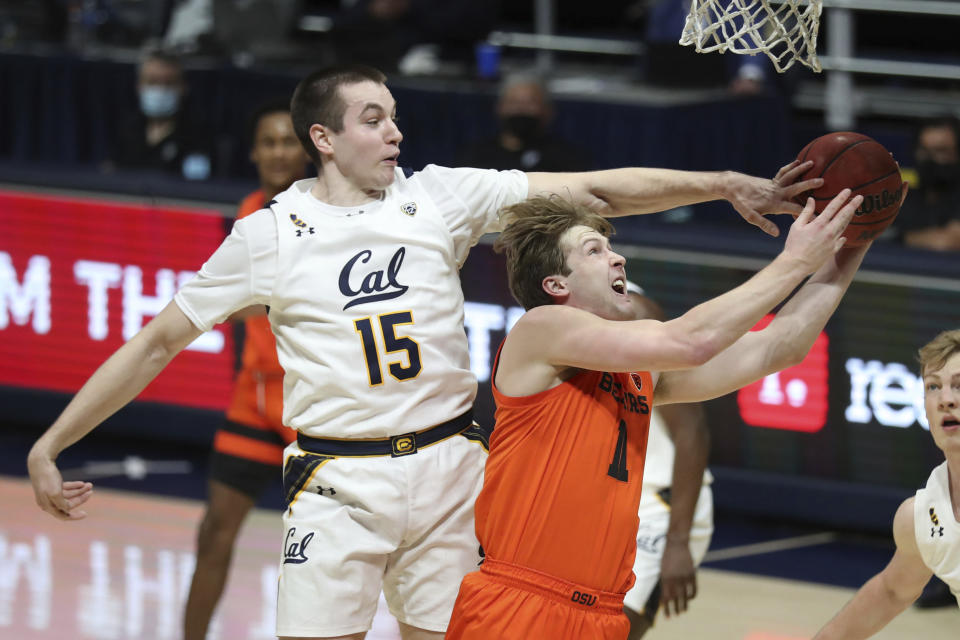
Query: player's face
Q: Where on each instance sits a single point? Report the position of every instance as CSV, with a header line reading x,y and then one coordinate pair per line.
x,y
276,152
365,151
597,281
941,397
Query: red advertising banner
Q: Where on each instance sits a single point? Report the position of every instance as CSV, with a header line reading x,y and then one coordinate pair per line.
x,y
794,399
79,277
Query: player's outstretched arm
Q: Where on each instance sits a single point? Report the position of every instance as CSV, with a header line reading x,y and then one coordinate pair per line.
x,y
620,192
559,336
114,384
787,339
889,592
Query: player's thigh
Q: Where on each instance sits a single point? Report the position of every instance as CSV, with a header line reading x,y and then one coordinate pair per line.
x,y
423,577
415,633
344,517
227,507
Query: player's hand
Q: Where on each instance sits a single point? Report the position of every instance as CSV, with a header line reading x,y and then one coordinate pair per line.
x,y
678,578
58,498
813,239
754,197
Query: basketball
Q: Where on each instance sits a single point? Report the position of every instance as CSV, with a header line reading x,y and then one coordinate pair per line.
x,y
852,160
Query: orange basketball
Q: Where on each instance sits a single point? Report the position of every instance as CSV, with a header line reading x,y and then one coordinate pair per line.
x,y
848,160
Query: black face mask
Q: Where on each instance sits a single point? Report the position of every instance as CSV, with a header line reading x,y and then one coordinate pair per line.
x,y
939,177
527,128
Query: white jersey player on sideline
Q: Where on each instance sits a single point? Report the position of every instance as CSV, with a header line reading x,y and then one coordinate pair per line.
x,y
926,527
359,268
676,504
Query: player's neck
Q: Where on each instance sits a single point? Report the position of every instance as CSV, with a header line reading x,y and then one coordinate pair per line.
x,y
332,188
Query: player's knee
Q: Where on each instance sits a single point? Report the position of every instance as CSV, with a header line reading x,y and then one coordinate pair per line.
x,y
639,623
216,533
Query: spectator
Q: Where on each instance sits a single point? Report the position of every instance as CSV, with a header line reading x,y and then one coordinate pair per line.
x,y
930,216
668,63
160,136
383,32
524,111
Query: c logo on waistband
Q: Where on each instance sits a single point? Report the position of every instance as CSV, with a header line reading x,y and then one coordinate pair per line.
x,y
403,445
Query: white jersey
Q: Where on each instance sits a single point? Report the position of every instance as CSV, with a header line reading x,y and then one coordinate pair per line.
x,y
658,467
365,301
937,530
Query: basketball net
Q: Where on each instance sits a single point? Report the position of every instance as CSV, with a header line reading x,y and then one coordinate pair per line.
x,y
787,33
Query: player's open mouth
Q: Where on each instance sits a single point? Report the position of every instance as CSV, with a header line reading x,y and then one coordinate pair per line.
x,y
619,286
950,423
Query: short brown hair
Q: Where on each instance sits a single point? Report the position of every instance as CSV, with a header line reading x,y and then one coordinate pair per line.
x,y
531,242
934,354
317,100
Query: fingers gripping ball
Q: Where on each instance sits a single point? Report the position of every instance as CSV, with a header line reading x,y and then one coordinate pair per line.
x,y
852,160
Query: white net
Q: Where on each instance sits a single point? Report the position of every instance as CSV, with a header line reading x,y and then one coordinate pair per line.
x,y
785,30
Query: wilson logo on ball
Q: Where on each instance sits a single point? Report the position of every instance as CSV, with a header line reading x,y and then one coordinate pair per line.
x,y
880,201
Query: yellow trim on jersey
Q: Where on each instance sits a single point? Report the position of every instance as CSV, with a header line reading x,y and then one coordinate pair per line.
x,y
307,482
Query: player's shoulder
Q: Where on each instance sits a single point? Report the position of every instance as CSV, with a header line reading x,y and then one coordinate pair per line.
x,y
462,176
257,227
903,525
550,321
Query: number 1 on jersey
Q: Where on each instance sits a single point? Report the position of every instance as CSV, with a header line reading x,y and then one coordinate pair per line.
x,y
618,467
392,343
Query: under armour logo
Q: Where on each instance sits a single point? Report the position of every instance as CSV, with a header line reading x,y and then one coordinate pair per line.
x,y
324,490
934,531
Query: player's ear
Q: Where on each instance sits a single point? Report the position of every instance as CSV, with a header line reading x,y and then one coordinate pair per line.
x,y
555,286
319,135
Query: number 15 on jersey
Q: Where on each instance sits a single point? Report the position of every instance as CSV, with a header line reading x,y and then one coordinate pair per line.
x,y
392,343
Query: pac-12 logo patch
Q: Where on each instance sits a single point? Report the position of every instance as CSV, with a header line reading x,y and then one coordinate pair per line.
x,y
409,208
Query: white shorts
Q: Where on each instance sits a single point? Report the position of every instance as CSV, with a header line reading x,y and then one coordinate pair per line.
x,y
356,525
654,520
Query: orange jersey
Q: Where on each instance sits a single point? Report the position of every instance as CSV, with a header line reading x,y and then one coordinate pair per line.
x,y
562,484
258,394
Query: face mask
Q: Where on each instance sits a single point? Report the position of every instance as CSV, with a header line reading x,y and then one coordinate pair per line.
x,y
159,102
938,176
527,128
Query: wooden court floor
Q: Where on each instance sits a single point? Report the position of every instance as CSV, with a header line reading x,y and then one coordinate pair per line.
x,y
124,571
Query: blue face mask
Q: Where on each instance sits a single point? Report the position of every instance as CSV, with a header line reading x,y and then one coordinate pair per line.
x,y
158,101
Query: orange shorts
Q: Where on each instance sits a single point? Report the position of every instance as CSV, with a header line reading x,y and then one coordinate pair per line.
x,y
508,602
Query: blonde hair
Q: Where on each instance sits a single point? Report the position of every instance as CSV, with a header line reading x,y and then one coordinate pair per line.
x,y
531,242
934,354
